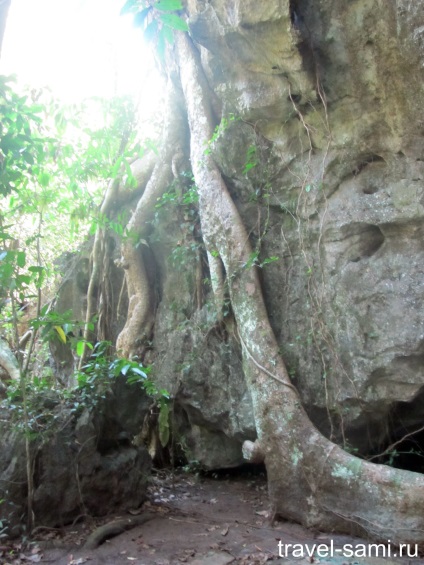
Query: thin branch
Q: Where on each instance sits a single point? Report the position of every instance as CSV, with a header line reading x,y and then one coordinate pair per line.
x,y
393,445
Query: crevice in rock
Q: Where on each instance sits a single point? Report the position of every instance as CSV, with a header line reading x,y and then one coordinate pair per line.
x,y
294,13
356,167
299,18
365,161
244,471
296,98
370,189
404,449
365,241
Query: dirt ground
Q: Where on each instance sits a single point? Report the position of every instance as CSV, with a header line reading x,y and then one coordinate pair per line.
x,y
198,520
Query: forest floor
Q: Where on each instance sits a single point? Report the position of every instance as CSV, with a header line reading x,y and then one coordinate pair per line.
x,y
199,520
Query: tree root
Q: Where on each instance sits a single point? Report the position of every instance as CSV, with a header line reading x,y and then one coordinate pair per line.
x,y
115,528
141,307
252,452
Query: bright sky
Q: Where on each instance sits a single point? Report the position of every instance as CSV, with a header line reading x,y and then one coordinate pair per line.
x,y
79,48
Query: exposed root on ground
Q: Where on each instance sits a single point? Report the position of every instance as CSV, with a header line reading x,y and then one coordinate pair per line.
x,y
115,528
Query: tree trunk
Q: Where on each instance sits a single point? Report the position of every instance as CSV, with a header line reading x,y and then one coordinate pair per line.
x,y
141,309
8,361
311,479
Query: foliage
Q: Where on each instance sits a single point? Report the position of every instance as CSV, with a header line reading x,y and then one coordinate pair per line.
x,y
251,159
180,198
55,163
158,19
55,325
254,260
219,131
94,381
97,375
184,196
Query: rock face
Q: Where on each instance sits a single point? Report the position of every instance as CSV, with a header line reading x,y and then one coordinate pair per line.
x,y
321,144
83,464
325,162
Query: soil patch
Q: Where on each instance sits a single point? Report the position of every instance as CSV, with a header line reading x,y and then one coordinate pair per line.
x,y
198,520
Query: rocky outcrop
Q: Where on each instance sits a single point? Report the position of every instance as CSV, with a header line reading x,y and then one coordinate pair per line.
x,y
326,168
321,146
84,461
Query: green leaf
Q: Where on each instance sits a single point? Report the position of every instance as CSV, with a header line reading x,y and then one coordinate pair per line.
x,y
20,258
253,259
151,31
80,348
174,21
22,279
269,260
36,108
168,35
139,372
249,166
40,272
44,179
6,271
160,46
140,18
168,5
125,369
128,7
133,379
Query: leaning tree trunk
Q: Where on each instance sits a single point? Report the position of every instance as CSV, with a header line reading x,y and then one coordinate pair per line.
x,y
311,479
